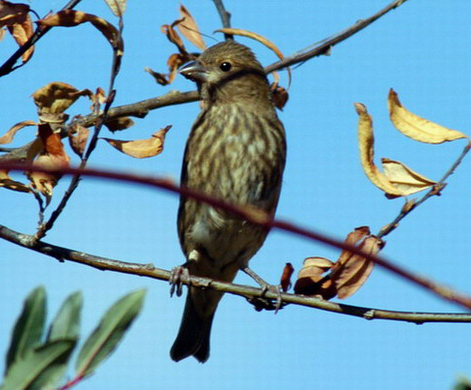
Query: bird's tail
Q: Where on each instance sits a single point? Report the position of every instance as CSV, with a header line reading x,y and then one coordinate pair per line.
x,y
195,328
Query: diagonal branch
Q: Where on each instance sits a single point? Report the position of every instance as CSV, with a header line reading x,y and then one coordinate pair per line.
x,y
225,17
256,217
149,271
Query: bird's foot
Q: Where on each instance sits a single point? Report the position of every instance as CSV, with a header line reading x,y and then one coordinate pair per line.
x,y
177,276
262,302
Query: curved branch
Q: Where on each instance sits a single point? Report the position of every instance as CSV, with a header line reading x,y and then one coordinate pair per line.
x,y
150,271
256,217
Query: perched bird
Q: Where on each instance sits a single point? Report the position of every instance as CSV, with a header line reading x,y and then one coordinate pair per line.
x,y
236,151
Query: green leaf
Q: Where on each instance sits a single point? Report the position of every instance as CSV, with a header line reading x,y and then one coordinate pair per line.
x,y
109,332
29,327
25,371
66,324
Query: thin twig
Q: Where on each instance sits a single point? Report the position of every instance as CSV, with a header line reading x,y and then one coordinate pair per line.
x,y
434,191
325,45
225,17
256,217
116,64
148,270
9,65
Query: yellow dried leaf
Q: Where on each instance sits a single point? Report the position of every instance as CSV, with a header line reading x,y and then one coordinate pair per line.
x,y
404,178
56,97
352,239
366,143
11,13
2,33
72,18
7,182
142,148
259,38
417,128
8,136
118,7
311,279
21,32
189,29
356,270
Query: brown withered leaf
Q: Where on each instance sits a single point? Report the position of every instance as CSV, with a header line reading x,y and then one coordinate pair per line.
x,y
78,136
160,78
311,279
2,33
356,269
259,38
279,96
417,128
16,18
121,123
189,29
142,148
173,36
405,179
51,156
366,144
285,280
7,182
8,136
118,7
56,97
72,18
352,239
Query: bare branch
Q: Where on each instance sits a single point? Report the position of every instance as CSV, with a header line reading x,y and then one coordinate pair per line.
x,y
256,217
148,270
225,17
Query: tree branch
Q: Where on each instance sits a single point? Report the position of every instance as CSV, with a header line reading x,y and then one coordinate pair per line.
x,y
225,17
256,217
149,271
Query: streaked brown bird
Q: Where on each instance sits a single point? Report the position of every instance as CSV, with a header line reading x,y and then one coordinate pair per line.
x,y
236,152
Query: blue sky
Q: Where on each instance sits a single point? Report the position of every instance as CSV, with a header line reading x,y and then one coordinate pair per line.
x,y
421,50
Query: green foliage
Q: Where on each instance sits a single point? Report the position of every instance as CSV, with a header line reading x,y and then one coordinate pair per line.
x,y
36,361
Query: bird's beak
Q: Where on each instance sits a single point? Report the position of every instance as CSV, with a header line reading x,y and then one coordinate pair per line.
x,y
194,71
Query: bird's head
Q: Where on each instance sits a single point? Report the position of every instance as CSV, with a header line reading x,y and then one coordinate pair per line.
x,y
226,72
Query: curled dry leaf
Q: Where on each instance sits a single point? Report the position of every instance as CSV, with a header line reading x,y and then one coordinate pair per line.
x,y
7,182
160,78
285,280
418,128
189,29
279,96
142,148
8,136
52,156
16,18
118,7
78,136
352,239
56,97
311,279
404,178
72,18
259,38
173,36
355,270
121,123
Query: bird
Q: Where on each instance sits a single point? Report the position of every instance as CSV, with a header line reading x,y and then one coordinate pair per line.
x,y
236,151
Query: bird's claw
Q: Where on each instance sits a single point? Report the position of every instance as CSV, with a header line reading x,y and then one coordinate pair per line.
x,y
177,275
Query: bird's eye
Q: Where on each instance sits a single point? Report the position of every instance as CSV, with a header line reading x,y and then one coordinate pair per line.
x,y
225,66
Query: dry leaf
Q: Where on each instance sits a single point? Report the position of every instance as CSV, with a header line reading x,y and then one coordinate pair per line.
x,y
118,7
121,123
404,178
418,128
16,18
356,269
258,38
142,148
285,280
311,279
8,136
56,97
173,36
52,156
160,78
189,29
366,143
78,136
352,239
279,96
72,18
2,33
7,182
